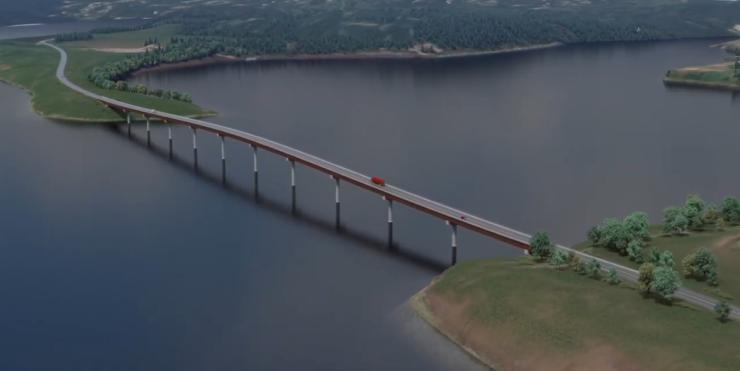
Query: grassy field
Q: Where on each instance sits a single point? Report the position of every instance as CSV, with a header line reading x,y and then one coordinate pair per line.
x,y
721,75
517,315
32,67
723,244
132,39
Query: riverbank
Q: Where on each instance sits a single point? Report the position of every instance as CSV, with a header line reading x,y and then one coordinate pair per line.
x,y
32,67
359,56
719,76
517,315
716,76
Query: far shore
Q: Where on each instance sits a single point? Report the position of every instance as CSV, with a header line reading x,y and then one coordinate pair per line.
x,y
690,83
376,55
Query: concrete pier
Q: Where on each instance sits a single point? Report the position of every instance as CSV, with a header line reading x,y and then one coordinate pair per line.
x,y
390,221
454,243
148,132
195,146
337,203
256,170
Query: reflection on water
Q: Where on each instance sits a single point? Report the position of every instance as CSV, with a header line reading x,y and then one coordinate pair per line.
x,y
116,256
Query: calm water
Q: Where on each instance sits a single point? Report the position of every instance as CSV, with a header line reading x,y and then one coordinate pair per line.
x,y
116,258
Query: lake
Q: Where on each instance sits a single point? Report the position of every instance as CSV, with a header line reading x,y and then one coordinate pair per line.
x,y
116,257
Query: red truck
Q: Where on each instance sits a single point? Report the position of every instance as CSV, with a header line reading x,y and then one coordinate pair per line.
x,y
378,180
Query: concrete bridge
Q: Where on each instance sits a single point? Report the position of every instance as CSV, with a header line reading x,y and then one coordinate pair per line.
x,y
453,217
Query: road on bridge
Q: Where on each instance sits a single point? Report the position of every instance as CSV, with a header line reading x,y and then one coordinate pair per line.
x,y
449,214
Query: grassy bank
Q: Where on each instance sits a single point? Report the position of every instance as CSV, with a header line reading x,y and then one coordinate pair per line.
x,y
516,315
716,76
32,67
723,244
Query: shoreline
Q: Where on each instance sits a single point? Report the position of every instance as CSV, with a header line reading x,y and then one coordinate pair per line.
x,y
708,85
359,56
421,308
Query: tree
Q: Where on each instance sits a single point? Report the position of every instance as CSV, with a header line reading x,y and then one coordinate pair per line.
x,y
612,278
121,85
722,308
646,277
665,259
693,210
594,235
540,246
637,225
731,210
635,251
674,220
615,235
559,258
700,265
665,282
593,269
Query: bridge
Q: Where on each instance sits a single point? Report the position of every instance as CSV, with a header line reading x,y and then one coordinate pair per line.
x,y
451,216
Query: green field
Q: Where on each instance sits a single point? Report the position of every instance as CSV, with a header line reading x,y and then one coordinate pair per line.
x,y
723,244
33,67
28,65
721,76
519,315
131,39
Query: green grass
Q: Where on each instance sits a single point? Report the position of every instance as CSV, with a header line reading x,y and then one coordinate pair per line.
x,y
32,67
558,315
728,258
720,76
130,39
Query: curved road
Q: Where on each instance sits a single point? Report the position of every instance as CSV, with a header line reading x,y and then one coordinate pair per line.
x,y
449,214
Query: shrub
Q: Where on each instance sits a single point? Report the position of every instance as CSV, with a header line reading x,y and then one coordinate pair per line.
x,y
559,258
646,277
540,246
731,210
635,251
700,265
593,269
612,277
665,282
723,311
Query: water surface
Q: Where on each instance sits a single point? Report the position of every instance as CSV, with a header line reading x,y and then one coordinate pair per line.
x,y
114,257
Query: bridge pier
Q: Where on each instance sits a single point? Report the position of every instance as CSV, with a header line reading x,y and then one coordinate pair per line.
x,y
148,132
390,221
169,137
128,122
292,184
195,147
223,157
337,205
256,170
454,243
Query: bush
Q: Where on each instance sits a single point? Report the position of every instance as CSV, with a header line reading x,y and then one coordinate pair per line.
x,y
578,266
635,251
559,258
674,221
593,269
540,246
612,277
731,210
665,282
723,311
700,265
645,279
